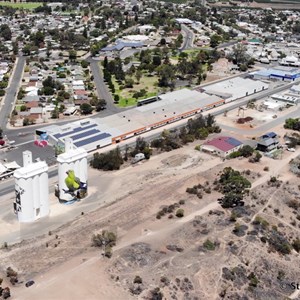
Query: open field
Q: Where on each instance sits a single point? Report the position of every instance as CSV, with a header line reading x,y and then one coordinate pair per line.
x,y
169,253
27,5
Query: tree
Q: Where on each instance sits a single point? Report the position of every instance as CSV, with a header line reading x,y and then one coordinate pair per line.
x,y
233,185
215,40
55,113
107,161
99,104
5,32
72,54
23,108
86,108
293,124
15,48
138,75
84,64
26,50
166,75
246,151
239,55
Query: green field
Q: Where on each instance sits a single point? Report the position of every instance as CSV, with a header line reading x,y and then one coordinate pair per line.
x,y
147,83
27,5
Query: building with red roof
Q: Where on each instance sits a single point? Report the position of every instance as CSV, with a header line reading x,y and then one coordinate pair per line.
x,y
222,146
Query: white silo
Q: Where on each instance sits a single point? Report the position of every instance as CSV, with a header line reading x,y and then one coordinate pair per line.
x,y
32,190
72,173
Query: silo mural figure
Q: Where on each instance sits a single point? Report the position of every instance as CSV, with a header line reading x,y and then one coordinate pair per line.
x,y
72,174
75,187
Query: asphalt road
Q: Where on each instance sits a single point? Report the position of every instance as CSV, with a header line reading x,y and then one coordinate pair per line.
x,y
101,87
188,38
11,92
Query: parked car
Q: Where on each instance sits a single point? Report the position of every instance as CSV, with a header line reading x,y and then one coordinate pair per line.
x,y
291,149
29,283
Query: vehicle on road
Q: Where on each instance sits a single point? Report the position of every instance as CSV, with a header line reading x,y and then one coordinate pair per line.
x,y
291,149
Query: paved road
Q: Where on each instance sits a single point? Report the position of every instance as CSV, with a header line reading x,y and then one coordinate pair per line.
x,y
227,44
102,89
11,92
188,38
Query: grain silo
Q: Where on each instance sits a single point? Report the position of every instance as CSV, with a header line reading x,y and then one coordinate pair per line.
x,y
32,190
72,173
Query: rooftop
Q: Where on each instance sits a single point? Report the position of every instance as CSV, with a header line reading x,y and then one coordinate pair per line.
x,y
224,143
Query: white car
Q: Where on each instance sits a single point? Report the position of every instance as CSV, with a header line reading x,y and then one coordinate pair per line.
x,y
291,149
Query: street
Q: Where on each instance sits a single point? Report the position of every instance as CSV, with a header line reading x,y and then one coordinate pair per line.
x,y
188,38
11,92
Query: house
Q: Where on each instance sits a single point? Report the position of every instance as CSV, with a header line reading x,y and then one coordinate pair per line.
x,y
222,146
80,95
268,142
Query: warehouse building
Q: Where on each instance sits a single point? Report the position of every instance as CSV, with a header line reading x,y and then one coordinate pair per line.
x,y
95,133
279,73
235,88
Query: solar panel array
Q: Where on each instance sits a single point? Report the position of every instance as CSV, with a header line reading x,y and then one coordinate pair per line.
x,y
233,142
75,130
83,134
92,139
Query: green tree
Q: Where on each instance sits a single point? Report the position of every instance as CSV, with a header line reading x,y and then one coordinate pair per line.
x,y
215,40
246,151
138,75
86,108
72,54
5,32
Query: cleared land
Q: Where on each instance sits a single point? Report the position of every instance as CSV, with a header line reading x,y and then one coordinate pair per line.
x,y
203,255
27,5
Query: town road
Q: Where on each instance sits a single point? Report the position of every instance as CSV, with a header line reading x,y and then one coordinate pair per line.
x,y
11,92
188,38
102,89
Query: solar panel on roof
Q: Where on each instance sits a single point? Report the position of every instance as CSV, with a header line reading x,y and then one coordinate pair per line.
x,y
92,139
82,134
271,134
75,130
233,142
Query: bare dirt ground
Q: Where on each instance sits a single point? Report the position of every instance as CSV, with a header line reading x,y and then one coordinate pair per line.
x,y
259,117
168,253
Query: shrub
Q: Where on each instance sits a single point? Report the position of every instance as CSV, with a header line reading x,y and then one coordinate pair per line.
x,y
108,252
181,202
296,244
253,280
138,279
209,245
179,213
106,238
192,190
266,168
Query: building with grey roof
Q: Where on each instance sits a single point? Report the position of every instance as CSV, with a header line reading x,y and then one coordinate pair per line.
x,y
99,132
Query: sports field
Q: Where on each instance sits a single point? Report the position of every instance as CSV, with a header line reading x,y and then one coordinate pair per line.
x,y
25,5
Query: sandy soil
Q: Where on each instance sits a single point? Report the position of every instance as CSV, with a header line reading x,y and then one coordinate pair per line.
x,y
65,266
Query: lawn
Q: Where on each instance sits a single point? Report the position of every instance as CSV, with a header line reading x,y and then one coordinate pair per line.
x,y
146,82
25,5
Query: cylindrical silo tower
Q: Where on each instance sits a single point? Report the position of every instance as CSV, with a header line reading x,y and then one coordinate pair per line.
x,y
72,173
32,190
